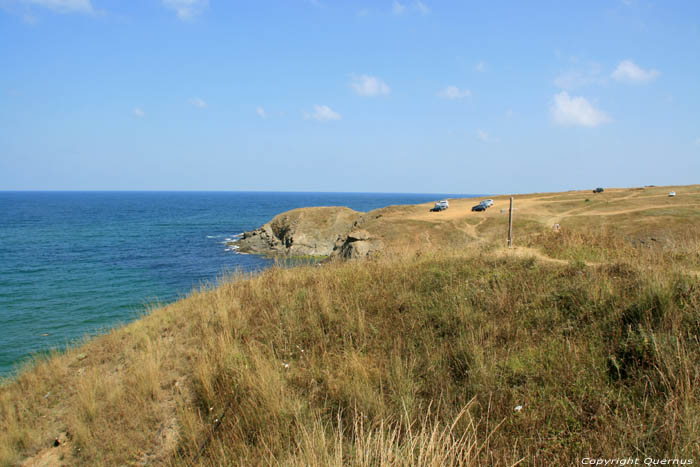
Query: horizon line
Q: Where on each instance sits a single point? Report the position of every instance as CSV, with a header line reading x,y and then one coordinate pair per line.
x,y
238,191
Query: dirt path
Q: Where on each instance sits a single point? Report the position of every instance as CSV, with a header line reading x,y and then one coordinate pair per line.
x,y
471,229
527,252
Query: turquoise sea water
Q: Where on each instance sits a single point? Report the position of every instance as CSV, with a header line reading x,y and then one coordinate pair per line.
x,y
76,263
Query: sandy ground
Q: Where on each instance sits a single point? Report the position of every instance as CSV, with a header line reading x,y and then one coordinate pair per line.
x,y
539,207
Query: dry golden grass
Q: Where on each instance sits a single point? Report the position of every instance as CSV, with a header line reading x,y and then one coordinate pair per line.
x,y
410,358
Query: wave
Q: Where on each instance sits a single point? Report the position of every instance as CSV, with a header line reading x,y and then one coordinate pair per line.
x,y
233,238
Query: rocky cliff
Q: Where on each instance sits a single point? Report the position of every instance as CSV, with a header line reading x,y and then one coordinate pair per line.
x,y
318,231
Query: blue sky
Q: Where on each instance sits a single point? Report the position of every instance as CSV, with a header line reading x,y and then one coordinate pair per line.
x,y
381,96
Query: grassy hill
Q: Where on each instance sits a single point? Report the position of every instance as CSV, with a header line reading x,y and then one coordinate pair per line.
x,y
445,349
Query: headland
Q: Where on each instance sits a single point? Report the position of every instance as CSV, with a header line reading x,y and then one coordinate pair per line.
x,y
421,340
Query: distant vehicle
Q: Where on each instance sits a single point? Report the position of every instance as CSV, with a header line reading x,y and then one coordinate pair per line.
x,y
598,190
440,206
479,207
673,193
487,202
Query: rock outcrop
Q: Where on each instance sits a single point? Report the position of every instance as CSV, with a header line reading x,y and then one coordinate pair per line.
x,y
301,232
357,244
320,231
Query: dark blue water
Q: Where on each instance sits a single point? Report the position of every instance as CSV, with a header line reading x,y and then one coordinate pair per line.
x,y
76,263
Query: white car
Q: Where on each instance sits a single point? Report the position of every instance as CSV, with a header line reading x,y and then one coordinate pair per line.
x,y
441,205
487,202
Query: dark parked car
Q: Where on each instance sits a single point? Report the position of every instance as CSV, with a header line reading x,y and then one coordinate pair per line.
x,y
479,207
598,190
440,206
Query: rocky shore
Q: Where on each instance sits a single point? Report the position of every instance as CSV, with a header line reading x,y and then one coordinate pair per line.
x,y
317,231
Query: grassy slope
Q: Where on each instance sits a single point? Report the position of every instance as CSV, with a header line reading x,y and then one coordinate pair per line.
x,y
415,357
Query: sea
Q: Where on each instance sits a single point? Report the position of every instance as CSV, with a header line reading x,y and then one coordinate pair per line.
x,y
75,264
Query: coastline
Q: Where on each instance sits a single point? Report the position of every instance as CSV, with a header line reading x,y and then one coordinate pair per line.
x,y
444,315
77,263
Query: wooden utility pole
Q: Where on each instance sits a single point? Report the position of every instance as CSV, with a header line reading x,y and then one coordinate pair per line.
x,y
510,224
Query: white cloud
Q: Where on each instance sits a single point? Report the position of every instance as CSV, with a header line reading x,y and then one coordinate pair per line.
x,y
139,113
365,85
629,72
261,112
322,113
422,9
482,135
186,9
453,92
65,6
576,111
480,67
197,102
399,8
